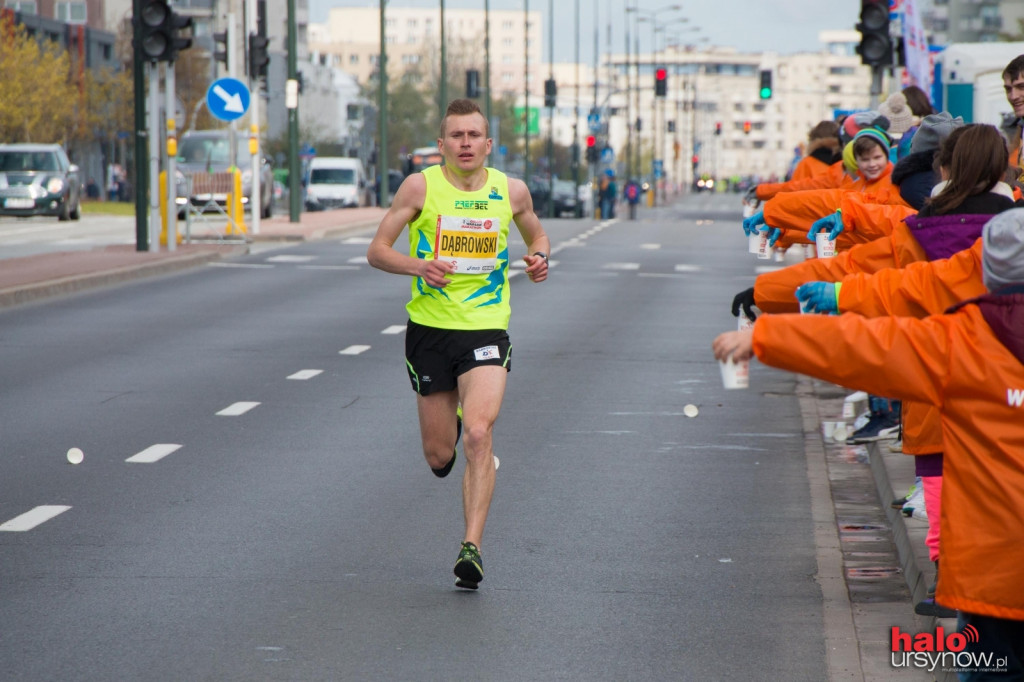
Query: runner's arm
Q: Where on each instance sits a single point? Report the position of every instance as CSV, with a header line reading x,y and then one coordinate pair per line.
x,y
531,230
381,253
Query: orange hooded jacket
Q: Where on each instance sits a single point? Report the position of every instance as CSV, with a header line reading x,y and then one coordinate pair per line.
x,y
918,290
795,212
774,291
834,178
958,363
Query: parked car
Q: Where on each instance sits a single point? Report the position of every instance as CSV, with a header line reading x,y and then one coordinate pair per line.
x,y
566,196
39,179
209,151
336,182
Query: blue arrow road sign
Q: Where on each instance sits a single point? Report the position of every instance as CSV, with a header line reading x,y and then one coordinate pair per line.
x,y
227,99
594,123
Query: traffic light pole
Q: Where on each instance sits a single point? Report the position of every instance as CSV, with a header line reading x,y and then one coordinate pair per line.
x,y
139,69
255,203
153,70
171,186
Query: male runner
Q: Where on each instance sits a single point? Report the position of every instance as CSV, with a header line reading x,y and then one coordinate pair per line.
x,y
456,345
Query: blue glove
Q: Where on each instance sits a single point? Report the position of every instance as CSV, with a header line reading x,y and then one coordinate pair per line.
x,y
818,297
750,224
773,235
832,222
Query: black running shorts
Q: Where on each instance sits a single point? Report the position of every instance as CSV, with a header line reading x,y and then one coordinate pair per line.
x,y
436,357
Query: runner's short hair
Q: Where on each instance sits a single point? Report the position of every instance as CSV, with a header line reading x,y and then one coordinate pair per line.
x,y
464,107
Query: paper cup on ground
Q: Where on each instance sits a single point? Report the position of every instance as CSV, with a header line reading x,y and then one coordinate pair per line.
x,y
827,429
826,247
764,252
839,433
735,374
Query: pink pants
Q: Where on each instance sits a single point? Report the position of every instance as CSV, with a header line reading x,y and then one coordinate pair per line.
x,y
933,505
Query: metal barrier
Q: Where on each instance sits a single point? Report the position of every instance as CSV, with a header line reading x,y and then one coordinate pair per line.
x,y
218,195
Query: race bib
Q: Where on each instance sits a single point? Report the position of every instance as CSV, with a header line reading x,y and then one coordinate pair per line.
x,y
469,244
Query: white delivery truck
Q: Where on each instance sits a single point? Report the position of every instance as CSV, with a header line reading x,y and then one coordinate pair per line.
x,y
336,182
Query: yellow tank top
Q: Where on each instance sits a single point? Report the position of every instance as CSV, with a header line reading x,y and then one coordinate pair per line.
x,y
470,230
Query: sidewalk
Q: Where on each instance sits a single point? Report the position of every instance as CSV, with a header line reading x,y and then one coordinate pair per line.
x,y
32,278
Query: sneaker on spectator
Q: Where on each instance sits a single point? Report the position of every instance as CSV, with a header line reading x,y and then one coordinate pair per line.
x,y
881,426
930,607
914,506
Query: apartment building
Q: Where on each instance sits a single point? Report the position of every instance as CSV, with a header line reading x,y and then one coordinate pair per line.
x,y
350,41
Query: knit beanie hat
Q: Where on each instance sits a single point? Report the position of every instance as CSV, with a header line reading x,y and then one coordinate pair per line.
x,y
934,129
896,109
862,119
1002,249
876,134
849,162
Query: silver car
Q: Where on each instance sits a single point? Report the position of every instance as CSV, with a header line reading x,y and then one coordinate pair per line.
x,y
38,179
209,151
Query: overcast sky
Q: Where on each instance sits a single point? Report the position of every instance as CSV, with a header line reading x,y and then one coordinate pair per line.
x,y
782,26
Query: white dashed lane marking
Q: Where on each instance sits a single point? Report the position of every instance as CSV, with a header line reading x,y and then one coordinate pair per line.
x,y
154,453
236,409
354,350
304,374
394,329
290,258
33,518
688,268
621,266
359,260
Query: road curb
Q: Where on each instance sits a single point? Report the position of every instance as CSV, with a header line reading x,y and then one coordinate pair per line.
x,y
28,293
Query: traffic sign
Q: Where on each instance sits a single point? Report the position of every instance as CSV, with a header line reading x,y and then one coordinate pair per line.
x,y
227,99
607,155
594,122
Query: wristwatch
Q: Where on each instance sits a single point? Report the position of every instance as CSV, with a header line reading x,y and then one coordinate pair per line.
x,y
542,255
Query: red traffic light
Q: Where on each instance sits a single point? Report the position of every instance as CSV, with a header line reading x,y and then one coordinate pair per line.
x,y
660,74
718,128
591,140
746,127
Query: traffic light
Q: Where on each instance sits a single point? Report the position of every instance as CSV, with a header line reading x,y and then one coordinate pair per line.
x,y
550,92
875,48
591,149
220,47
258,57
746,127
660,82
670,126
472,83
718,128
159,26
766,84
695,160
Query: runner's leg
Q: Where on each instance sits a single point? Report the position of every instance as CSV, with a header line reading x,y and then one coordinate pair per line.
x,y
437,426
481,390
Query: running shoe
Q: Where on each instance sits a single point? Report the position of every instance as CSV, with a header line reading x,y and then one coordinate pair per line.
x,y
930,607
447,468
879,427
469,567
914,507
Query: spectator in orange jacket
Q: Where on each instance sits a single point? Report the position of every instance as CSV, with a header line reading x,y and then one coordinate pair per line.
x,y
969,363
823,150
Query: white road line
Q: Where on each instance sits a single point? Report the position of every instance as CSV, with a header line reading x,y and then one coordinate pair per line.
x,y
304,374
251,266
286,258
354,350
650,247
154,453
688,268
358,259
621,266
761,269
236,409
394,329
357,240
328,267
34,517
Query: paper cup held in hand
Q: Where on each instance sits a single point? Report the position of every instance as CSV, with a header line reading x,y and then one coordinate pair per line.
x,y
754,242
735,374
744,323
805,307
826,247
764,252
748,210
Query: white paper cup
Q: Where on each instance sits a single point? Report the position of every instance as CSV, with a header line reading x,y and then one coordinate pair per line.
x,y
780,255
839,433
826,247
735,374
748,210
754,242
827,429
744,323
810,251
764,252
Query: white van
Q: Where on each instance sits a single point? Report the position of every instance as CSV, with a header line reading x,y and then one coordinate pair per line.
x,y
336,182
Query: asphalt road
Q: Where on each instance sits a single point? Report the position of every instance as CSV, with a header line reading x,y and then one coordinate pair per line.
x,y
253,505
